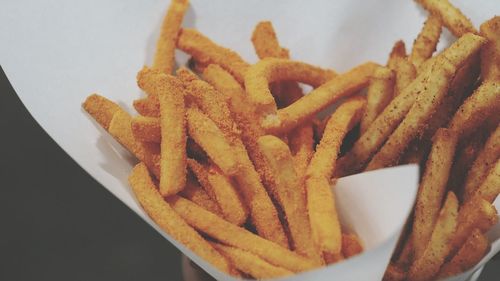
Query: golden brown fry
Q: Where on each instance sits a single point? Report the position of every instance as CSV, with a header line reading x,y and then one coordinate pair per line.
x,y
466,153
490,54
426,41
232,235
490,187
146,129
394,273
270,70
471,252
251,264
301,144
186,75
351,245
426,101
306,107
147,107
169,221
397,51
207,52
165,46
200,197
101,109
452,18
291,196
483,163
404,71
266,43
206,133
432,189
323,215
379,95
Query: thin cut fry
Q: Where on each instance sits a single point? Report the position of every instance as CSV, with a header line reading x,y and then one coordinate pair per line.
x,y
232,235
101,109
427,266
205,51
404,70
451,17
426,41
490,187
351,245
165,47
290,195
200,197
147,107
432,188
251,264
169,221
379,95
301,144
490,54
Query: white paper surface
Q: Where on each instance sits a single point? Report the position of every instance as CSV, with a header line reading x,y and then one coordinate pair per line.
x,y
56,52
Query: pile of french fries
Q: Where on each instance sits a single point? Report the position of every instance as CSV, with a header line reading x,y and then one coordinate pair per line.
x,y
235,164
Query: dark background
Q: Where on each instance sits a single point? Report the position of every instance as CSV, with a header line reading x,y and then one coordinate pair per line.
x,y
58,223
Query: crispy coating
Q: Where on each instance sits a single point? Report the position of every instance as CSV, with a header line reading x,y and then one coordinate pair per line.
x,y
301,142
490,54
432,188
251,264
309,105
426,41
397,51
193,192
165,46
232,235
427,265
484,162
146,129
351,245
394,273
101,109
379,95
451,17
169,221
471,252
291,196
147,106
404,71
270,70
186,75
207,52
466,153
490,187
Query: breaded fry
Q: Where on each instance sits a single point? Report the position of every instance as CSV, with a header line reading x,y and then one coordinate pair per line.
x,y
351,245
379,95
291,196
206,133
232,235
426,41
306,107
101,109
466,153
471,252
200,197
207,52
427,265
186,75
484,162
169,221
432,188
397,51
490,187
394,273
404,70
270,70
323,215
426,101
165,46
251,264
147,107
301,144
490,54
451,17
146,129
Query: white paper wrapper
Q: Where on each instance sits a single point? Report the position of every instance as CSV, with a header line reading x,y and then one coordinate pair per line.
x,y
57,52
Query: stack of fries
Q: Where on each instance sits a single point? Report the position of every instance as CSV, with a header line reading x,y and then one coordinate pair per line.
x,y
236,165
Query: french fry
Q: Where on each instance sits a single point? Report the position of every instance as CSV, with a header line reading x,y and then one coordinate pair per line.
x,y
146,129
427,101
379,95
394,273
251,264
452,18
200,197
305,108
291,196
484,162
165,46
169,221
147,107
232,235
490,54
404,70
351,245
427,265
186,75
207,52
426,41
471,252
397,51
432,189
101,109
301,144
323,215
490,187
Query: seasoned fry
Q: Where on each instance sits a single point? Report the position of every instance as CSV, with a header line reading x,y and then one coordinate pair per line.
x,y
232,235
351,245
490,187
207,52
146,129
200,197
147,107
186,75
101,109
452,18
398,51
306,107
323,215
490,54
427,101
483,163
205,133
427,266
471,252
251,264
378,96
426,41
432,188
290,195
404,70
165,46
169,221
